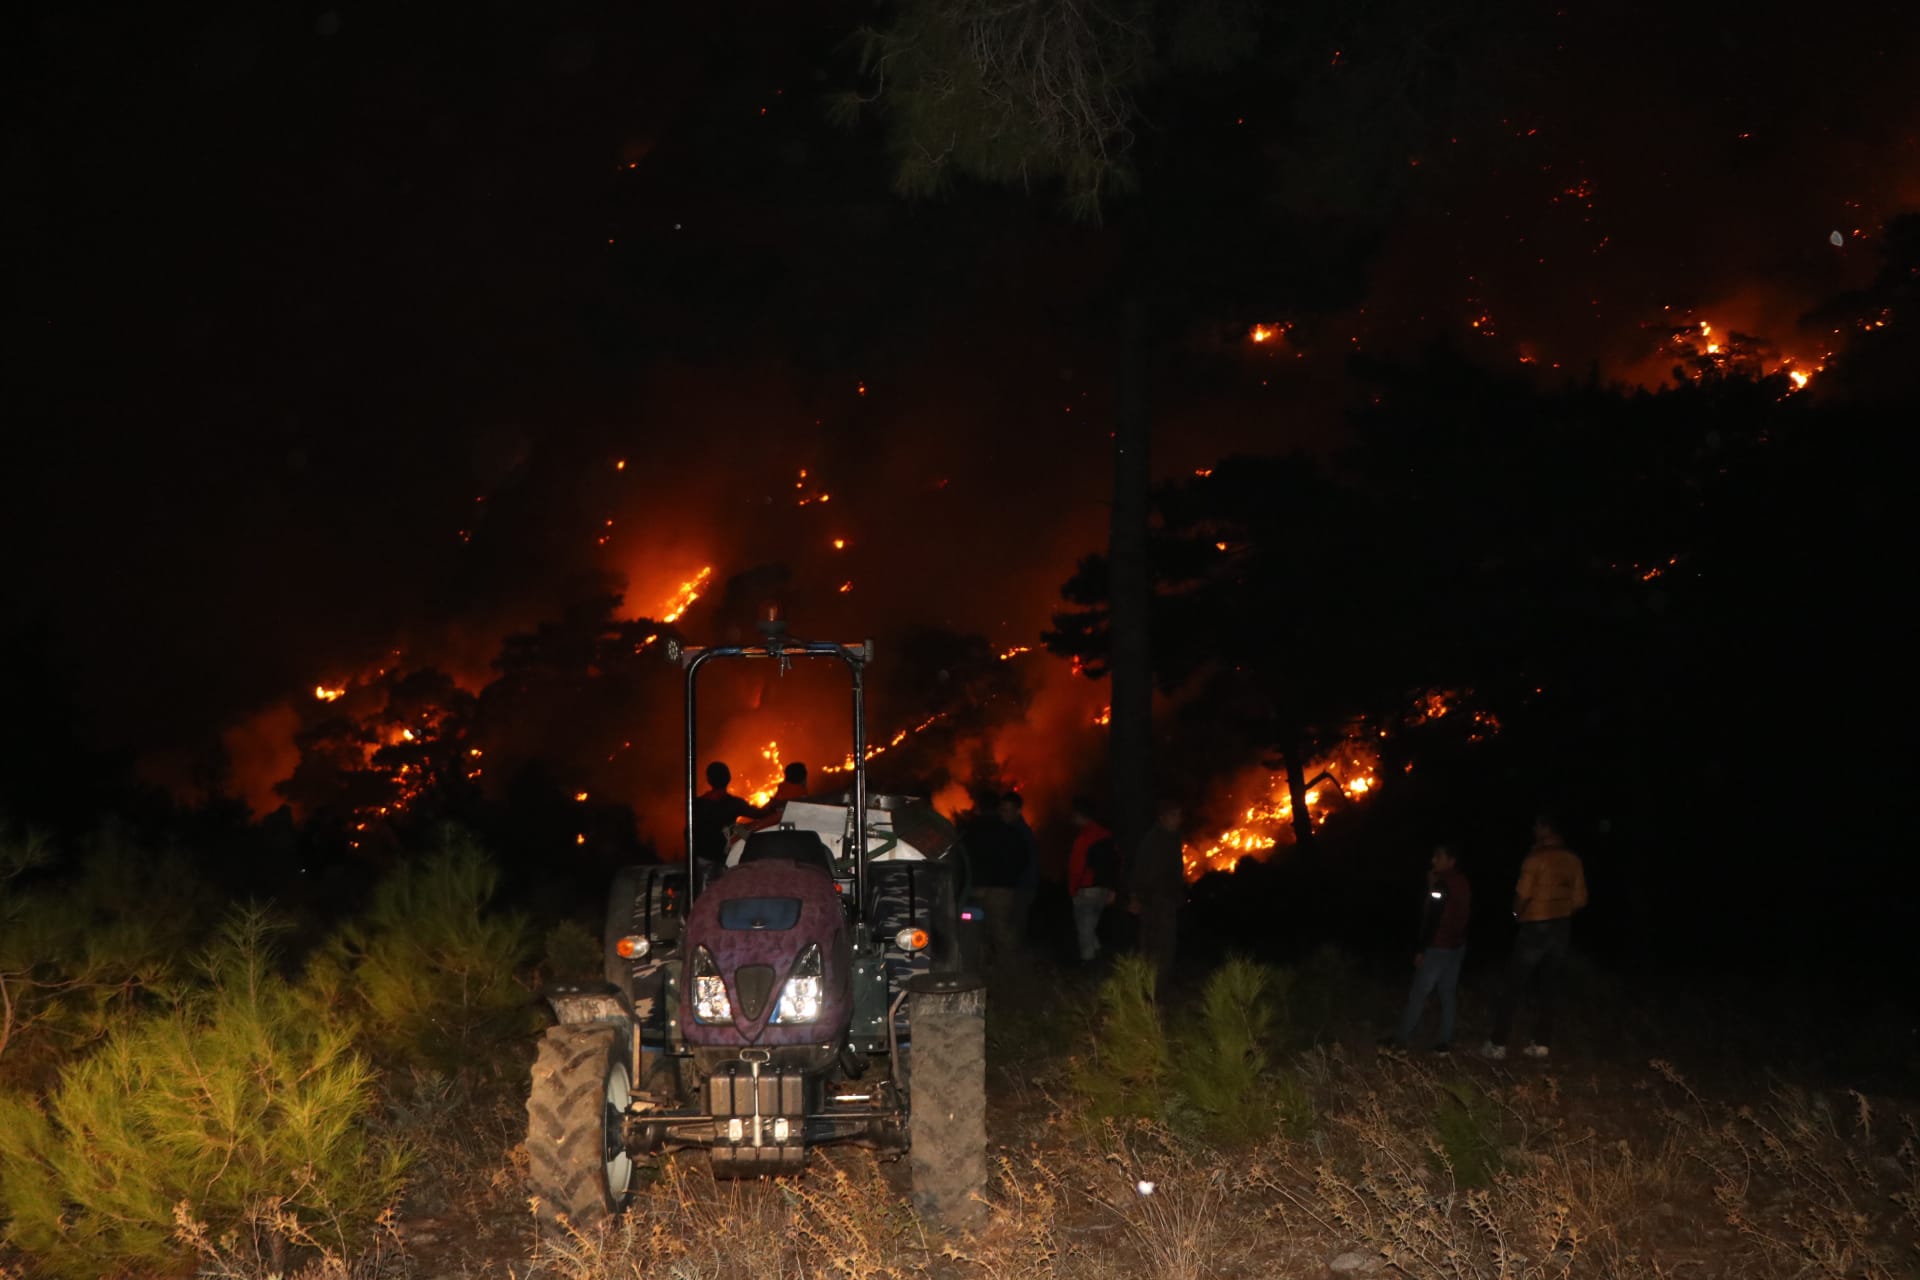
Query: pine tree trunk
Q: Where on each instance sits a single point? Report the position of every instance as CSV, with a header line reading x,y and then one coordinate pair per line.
x,y
1130,737
1297,791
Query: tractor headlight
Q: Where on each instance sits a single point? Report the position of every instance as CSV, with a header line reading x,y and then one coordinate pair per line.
x,y
801,998
710,1003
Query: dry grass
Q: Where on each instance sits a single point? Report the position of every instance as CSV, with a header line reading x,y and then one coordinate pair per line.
x,y
1435,1168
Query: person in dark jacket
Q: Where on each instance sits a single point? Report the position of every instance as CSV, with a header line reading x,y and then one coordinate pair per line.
x,y
1441,948
715,810
996,862
1157,882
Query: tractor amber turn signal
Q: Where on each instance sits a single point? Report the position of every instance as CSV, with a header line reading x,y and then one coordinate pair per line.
x,y
911,939
632,947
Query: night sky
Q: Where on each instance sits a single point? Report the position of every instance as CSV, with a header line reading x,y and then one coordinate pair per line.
x,y
332,327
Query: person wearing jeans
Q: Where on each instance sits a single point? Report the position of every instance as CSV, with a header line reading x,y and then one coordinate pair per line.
x,y
1442,948
1553,885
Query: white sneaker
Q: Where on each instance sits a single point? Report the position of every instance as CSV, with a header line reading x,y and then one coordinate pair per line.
x,y
1494,1052
1535,1051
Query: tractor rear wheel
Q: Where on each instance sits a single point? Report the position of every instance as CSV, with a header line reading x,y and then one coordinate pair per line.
x,y
580,1170
947,1100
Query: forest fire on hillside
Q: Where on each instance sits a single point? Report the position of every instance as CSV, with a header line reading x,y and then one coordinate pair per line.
x,y
1265,806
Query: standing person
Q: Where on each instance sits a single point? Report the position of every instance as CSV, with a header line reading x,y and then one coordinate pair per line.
x,y
1029,886
1442,947
1093,876
793,786
1553,885
1158,883
715,810
996,855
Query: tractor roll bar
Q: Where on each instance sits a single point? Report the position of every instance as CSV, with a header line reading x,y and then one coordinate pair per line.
x,y
777,647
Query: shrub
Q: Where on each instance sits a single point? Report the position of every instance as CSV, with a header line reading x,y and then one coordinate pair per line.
x,y
1466,1127
428,975
82,949
1127,1070
233,1106
1221,1061
573,954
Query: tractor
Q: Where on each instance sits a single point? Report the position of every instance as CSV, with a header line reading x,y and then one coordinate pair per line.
x,y
813,991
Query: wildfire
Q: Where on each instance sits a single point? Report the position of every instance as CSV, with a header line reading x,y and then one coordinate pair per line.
x,y
1709,352
1262,333
881,748
1350,774
759,796
327,693
1016,651
1105,717
685,594
1266,816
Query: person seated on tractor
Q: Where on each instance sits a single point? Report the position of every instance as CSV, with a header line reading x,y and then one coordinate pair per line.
x,y
715,811
793,786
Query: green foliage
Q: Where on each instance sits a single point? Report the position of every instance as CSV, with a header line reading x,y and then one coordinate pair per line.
x,y
1216,1079
428,975
1011,94
1221,1062
573,954
1130,1066
1466,1129
233,1104
81,948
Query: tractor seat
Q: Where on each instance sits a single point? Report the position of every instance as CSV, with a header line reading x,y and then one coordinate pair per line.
x,y
803,848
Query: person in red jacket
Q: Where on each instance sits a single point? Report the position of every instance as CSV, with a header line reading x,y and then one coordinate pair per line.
x,y
1442,946
1093,876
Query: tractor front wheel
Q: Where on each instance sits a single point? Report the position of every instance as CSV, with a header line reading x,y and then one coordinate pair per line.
x,y
580,1170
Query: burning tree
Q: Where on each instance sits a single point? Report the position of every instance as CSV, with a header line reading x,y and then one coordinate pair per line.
x,y
1262,618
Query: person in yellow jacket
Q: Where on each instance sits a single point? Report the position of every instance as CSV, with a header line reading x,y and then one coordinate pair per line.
x,y
1553,885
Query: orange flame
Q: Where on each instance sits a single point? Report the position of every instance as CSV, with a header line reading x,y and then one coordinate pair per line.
x,y
327,693
685,594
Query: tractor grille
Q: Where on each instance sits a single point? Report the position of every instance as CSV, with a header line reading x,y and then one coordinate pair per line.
x,y
754,984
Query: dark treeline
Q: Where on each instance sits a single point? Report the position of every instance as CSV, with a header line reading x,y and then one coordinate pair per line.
x,y
1682,609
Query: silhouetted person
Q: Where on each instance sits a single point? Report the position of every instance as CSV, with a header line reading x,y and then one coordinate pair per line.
x,y
793,786
1029,885
715,810
996,860
1093,876
1441,948
1553,885
1158,883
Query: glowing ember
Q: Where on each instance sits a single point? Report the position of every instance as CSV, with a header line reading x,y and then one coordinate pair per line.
x,y
1262,333
846,586
839,544
1203,472
579,797
327,694
1105,717
580,839
1016,651
620,465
